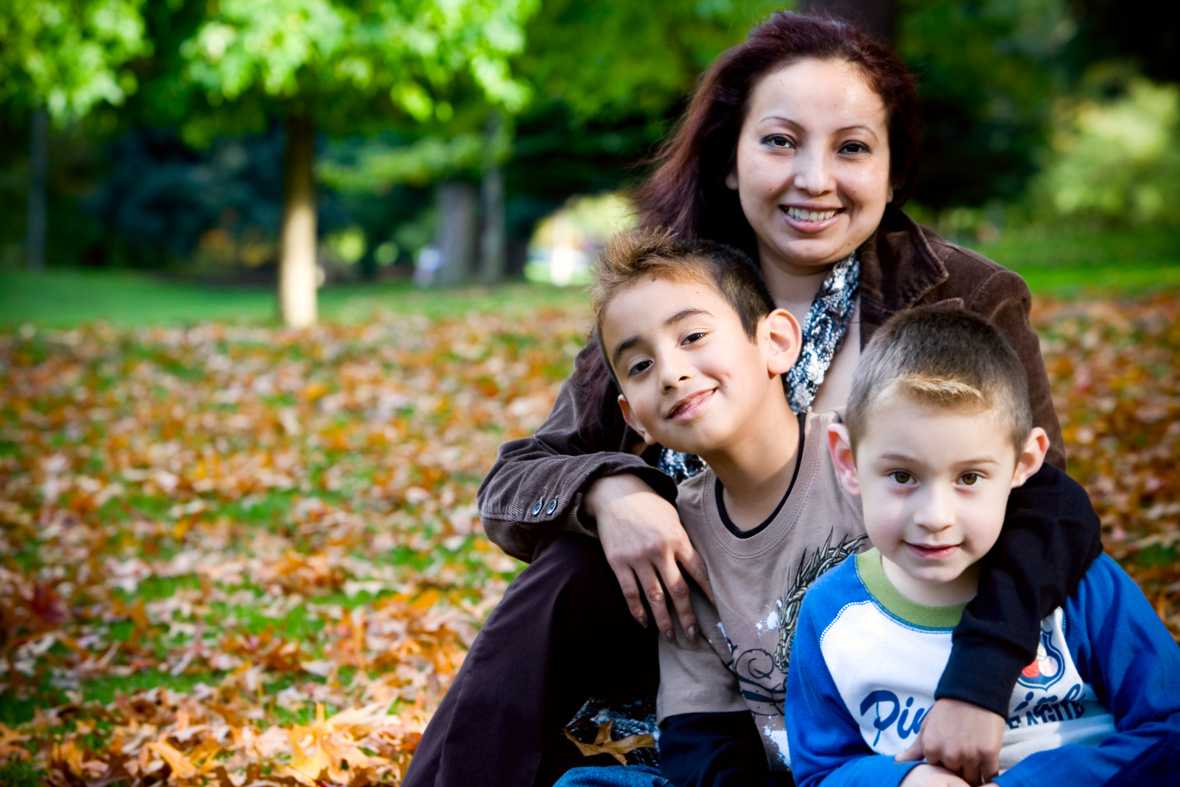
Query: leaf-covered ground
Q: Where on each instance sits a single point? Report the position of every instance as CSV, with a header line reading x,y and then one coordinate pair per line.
x,y
240,555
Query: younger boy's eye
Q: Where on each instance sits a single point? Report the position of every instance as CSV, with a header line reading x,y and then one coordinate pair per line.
x,y
901,477
969,479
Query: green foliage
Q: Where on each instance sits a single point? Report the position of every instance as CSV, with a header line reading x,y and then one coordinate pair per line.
x,y
986,72
67,55
619,57
346,64
1114,159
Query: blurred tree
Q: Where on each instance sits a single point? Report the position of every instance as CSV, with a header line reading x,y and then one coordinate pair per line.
x,y
58,60
986,72
329,65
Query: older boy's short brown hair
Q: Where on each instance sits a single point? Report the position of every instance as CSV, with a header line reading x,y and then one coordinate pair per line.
x,y
631,256
945,358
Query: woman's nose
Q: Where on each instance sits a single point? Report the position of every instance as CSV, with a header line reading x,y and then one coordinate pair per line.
x,y
812,172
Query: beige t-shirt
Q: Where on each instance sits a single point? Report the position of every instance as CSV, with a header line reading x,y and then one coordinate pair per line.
x,y
758,582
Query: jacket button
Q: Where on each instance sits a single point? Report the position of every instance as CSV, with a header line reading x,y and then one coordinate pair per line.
x,y
552,506
537,507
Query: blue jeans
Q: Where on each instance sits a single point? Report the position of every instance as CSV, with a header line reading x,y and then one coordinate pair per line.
x,y
612,776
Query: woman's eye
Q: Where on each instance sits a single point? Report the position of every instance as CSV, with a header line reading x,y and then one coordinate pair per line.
x,y
969,479
637,367
901,477
778,141
855,147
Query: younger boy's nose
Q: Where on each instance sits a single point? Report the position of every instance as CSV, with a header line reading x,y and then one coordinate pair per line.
x,y
935,511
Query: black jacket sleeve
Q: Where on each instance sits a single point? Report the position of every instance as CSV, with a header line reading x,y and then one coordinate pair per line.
x,y
716,750
1051,536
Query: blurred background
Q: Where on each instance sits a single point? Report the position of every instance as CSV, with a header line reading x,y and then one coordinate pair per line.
x,y
432,143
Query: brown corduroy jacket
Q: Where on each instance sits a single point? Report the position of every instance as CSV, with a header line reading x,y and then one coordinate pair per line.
x,y
537,482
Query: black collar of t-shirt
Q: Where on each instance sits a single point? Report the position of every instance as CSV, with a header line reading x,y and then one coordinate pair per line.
x,y
754,531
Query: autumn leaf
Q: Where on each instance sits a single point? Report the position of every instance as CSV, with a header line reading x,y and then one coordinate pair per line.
x,y
237,555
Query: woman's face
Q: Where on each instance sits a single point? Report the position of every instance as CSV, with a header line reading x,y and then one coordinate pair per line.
x,y
812,169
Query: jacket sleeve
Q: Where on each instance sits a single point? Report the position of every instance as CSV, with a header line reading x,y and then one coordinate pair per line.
x,y
1124,651
1051,535
1004,299
537,482
715,750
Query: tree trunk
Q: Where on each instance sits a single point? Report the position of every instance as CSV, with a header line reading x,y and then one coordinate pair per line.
x,y
297,267
876,17
457,202
37,217
493,247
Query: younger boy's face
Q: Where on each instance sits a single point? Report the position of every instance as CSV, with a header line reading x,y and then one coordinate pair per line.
x,y
934,486
692,380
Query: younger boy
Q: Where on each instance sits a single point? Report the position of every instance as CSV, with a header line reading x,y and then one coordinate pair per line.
x,y
698,349
937,432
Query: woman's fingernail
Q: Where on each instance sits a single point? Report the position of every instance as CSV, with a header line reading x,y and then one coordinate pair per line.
x,y
642,620
692,632
670,635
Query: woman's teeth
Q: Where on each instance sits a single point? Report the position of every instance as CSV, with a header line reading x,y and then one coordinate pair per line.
x,y
799,214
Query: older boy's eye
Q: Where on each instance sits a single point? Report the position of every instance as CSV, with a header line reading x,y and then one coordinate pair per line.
x,y
637,367
969,479
901,477
695,336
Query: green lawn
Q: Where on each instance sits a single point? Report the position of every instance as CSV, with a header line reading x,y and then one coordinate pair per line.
x,y
1111,263
67,297
1059,264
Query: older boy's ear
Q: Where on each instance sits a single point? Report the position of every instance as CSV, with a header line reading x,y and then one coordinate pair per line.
x,y
632,422
784,340
840,449
1032,457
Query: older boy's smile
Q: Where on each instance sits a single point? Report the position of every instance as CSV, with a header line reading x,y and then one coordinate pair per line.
x,y
691,406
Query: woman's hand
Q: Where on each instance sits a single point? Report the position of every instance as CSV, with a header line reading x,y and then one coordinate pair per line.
x,y
646,547
962,737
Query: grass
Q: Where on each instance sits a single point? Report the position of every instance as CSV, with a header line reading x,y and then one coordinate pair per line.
x,y
1069,264
66,297
1054,262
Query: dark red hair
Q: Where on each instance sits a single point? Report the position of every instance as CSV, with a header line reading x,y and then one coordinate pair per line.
x,y
687,193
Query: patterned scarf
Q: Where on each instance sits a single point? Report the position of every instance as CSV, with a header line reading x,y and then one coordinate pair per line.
x,y
824,329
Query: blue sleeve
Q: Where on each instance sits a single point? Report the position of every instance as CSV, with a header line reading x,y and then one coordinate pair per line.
x,y
825,741
715,750
1124,651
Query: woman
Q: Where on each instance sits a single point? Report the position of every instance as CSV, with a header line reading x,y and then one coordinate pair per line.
x,y
799,147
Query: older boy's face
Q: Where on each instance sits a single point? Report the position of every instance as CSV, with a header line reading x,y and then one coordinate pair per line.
x,y
934,485
692,379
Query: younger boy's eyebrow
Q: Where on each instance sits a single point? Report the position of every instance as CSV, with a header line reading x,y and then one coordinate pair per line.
x,y
630,342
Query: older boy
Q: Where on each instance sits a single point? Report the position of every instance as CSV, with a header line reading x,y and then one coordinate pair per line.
x,y
937,432
698,348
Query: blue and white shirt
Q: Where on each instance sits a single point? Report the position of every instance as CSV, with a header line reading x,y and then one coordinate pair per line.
x,y
867,660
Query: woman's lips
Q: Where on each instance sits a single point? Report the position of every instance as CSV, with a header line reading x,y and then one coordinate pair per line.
x,y
690,406
810,220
